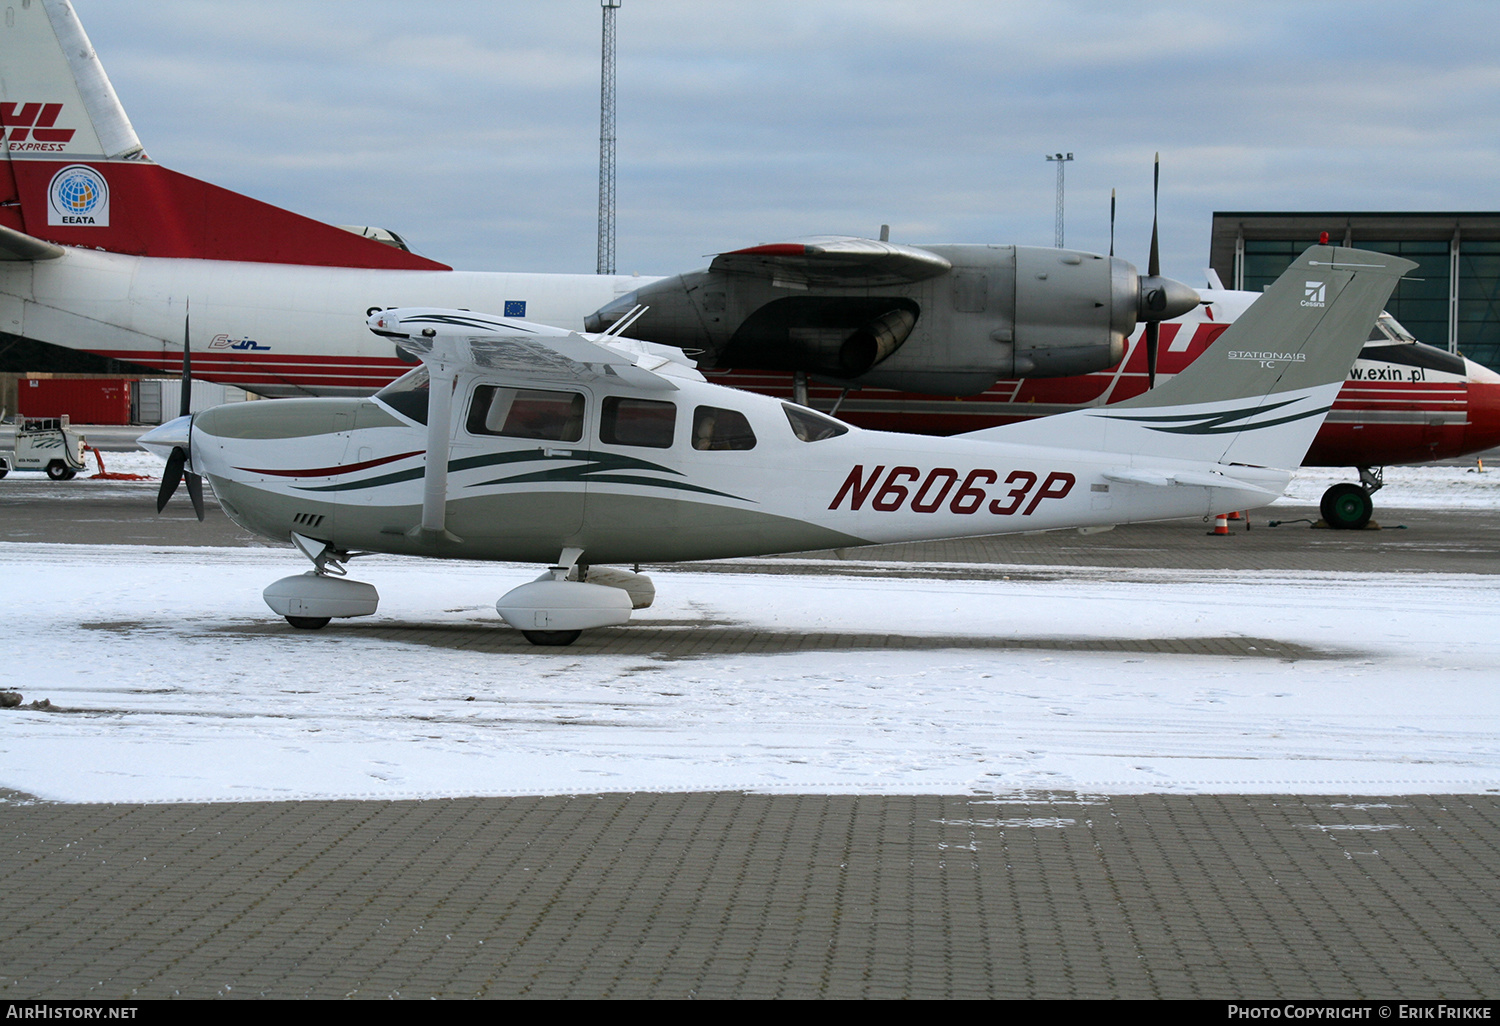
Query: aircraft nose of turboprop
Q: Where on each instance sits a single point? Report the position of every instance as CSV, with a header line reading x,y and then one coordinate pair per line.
x,y
1483,430
160,441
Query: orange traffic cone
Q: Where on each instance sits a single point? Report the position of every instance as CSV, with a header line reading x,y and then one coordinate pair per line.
x,y
1233,516
1221,525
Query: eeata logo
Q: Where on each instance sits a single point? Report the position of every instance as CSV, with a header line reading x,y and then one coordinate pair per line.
x,y
78,196
18,121
1314,293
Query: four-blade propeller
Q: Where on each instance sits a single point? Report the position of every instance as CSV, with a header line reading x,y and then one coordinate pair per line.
x,y
1160,298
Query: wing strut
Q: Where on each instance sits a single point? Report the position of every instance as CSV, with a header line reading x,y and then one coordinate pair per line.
x,y
442,379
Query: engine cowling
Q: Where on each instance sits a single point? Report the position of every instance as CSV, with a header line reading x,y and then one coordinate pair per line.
x,y
969,316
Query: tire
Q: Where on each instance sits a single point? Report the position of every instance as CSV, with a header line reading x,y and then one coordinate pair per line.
x,y
553,638
57,470
1346,507
308,623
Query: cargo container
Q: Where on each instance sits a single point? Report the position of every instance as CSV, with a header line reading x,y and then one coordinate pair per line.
x,y
83,400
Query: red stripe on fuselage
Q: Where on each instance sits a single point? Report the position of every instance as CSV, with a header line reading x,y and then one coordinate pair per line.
x,y
347,468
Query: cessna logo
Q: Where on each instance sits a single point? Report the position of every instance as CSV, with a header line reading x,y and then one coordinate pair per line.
x,y
78,196
1314,293
29,127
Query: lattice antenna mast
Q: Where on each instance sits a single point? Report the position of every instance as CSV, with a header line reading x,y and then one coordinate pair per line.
x,y
1061,159
606,262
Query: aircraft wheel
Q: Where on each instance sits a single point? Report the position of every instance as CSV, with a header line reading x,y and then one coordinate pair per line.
x,y
57,470
308,623
1346,507
555,638
4,470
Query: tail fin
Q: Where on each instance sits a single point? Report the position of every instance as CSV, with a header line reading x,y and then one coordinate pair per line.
x,y
75,173
1259,393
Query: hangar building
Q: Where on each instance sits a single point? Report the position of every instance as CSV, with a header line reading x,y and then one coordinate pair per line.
x,y
1456,303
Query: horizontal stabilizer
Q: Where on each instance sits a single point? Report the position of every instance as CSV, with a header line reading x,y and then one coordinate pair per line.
x,y
1185,478
16,245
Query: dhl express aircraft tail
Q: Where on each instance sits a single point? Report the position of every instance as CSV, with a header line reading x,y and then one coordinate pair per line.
x,y
75,174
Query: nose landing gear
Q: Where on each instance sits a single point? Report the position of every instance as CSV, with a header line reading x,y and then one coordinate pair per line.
x,y
308,601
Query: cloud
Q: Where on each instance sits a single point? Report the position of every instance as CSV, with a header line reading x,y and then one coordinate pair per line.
x,y
474,127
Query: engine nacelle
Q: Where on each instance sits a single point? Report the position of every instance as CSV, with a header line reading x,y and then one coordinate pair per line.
x,y
967,316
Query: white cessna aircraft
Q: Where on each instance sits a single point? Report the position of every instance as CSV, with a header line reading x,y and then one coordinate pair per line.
x,y
516,441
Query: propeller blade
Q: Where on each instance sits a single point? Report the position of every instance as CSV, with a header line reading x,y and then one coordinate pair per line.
x,y
1153,336
1111,222
1154,267
195,492
171,477
186,406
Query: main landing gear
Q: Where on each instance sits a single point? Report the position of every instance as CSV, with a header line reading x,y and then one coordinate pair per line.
x,y
1347,506
572,597
551,611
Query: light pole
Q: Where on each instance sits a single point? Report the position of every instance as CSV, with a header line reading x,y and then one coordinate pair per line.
x,y
606,261
1061,159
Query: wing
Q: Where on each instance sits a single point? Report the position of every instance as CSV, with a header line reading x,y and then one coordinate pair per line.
x,y
522,349
834,260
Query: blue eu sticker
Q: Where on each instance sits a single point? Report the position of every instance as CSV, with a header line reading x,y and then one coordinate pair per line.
x,y
515,308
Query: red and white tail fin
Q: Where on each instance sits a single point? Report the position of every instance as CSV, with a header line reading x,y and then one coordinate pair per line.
x,y
75,173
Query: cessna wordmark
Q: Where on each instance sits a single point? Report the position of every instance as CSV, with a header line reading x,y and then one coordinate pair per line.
x,y
516,441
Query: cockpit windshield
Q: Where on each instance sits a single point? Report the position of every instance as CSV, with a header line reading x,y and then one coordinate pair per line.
x,y
811,426
1388,329
407,395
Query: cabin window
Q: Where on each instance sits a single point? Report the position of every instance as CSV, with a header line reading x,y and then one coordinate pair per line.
x,y
648,422
408,395
715,428
811,426
526,413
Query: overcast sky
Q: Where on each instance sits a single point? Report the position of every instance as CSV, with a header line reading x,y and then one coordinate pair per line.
x,y
473,127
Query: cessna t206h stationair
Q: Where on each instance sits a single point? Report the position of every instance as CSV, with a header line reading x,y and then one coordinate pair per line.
x,y
515,441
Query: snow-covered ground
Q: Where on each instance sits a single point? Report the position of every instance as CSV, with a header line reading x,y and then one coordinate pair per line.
x,y
183,686
179,684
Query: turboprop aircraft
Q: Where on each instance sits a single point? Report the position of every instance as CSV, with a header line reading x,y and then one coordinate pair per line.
x,y
101,248
516,441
